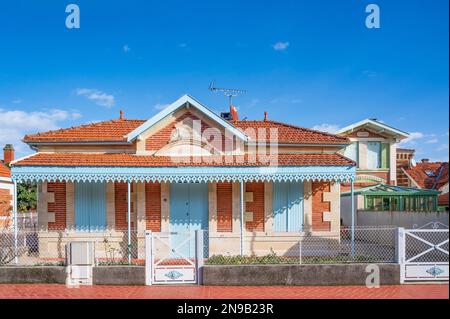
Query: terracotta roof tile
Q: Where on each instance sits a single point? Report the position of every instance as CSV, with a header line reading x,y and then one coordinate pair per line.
x,y
115,131
4,170
106,131
440,174
443,199
131,160
291,134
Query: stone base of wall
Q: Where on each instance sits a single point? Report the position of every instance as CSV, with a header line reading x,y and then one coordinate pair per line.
x,y
297,275
33,275
118,275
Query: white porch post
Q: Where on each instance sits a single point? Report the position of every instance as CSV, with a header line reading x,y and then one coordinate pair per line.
x,y
16,226
242,217
353,216
129,221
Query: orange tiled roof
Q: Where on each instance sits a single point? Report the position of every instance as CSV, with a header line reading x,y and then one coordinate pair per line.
x,y
115,131
419,175
132,160
106,131
4,170
291,134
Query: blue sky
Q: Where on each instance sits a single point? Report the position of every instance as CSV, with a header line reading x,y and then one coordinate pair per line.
x,y
309,63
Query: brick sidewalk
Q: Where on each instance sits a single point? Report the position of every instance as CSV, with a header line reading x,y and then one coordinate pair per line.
x,y
32,291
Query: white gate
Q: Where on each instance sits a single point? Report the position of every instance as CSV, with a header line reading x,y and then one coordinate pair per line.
x,y
423,254
169,258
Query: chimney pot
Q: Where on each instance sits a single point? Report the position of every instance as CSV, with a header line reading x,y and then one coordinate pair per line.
x,y
265,116
8,154
121,115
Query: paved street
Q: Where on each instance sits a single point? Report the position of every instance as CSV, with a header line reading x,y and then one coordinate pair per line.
x,y
211,292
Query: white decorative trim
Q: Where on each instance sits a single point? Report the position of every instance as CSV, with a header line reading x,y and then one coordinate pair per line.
x,y
183,174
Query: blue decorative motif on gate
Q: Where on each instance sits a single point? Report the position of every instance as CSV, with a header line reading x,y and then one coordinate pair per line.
x,y
173,274
435,271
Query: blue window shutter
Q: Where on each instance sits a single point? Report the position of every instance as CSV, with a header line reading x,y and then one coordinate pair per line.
x,y
279,200
90,206
287,201
295,207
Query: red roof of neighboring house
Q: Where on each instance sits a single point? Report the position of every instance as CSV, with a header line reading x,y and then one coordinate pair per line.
x,y
132,160
116,131
4,170
438,174
443,199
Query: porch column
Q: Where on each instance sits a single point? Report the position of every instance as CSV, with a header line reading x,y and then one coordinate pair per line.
x,y
353,216
16,229
129,221
242,197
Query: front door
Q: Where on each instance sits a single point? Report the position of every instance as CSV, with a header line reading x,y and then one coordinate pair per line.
x,y
188,212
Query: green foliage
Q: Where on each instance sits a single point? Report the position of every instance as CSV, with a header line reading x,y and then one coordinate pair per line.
x,y
26,197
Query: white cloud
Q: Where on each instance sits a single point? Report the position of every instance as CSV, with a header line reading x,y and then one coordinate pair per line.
x,y
432,141
329,128
412,139
280,46
443,147
97,96
15,124
160,106
126,48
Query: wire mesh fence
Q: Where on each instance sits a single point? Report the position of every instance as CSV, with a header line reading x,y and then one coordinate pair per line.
x,y
117,247
369,245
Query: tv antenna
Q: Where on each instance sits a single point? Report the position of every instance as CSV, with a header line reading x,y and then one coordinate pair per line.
x,y
227,92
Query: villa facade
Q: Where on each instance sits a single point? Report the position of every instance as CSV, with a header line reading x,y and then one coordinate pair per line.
x,y
252,185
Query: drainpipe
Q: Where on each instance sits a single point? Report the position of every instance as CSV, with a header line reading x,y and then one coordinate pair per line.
x,y
353,217
15,222
242,218
129,222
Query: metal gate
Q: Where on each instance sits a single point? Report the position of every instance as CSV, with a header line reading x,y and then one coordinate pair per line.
x,y
423,254
166,260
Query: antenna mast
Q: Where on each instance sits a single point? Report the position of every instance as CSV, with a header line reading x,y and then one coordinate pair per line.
x,y
227,92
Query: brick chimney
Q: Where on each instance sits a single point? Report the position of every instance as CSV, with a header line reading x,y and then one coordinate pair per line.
x,y
121,115
8,154
265,116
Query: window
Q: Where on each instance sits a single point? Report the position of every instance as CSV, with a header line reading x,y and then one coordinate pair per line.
x,y
373,155
430,173
352,152
287,206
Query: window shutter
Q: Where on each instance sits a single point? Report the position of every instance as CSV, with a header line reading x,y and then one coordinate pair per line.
x,y
385,155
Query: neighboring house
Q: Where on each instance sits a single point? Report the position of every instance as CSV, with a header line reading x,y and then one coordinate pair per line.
x,y
430,175
373,147
393,198
187,168
405,160
6,187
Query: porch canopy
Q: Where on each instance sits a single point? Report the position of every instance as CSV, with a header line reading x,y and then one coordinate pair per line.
x,y
83,167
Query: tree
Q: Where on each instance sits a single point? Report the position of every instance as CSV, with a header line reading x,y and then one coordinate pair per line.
x,y
26,197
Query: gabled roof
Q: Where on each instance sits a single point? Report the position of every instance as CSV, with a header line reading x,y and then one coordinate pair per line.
x,y
181,102
391,190
106,131
132,160
429,175
377,126
289,134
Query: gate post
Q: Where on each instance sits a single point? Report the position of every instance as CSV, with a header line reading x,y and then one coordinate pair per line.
x,y
199,255
148,258
400,251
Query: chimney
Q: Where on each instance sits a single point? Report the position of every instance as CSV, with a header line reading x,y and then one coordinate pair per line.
x,y
425,160
265,116
121,115
8,154
234,113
